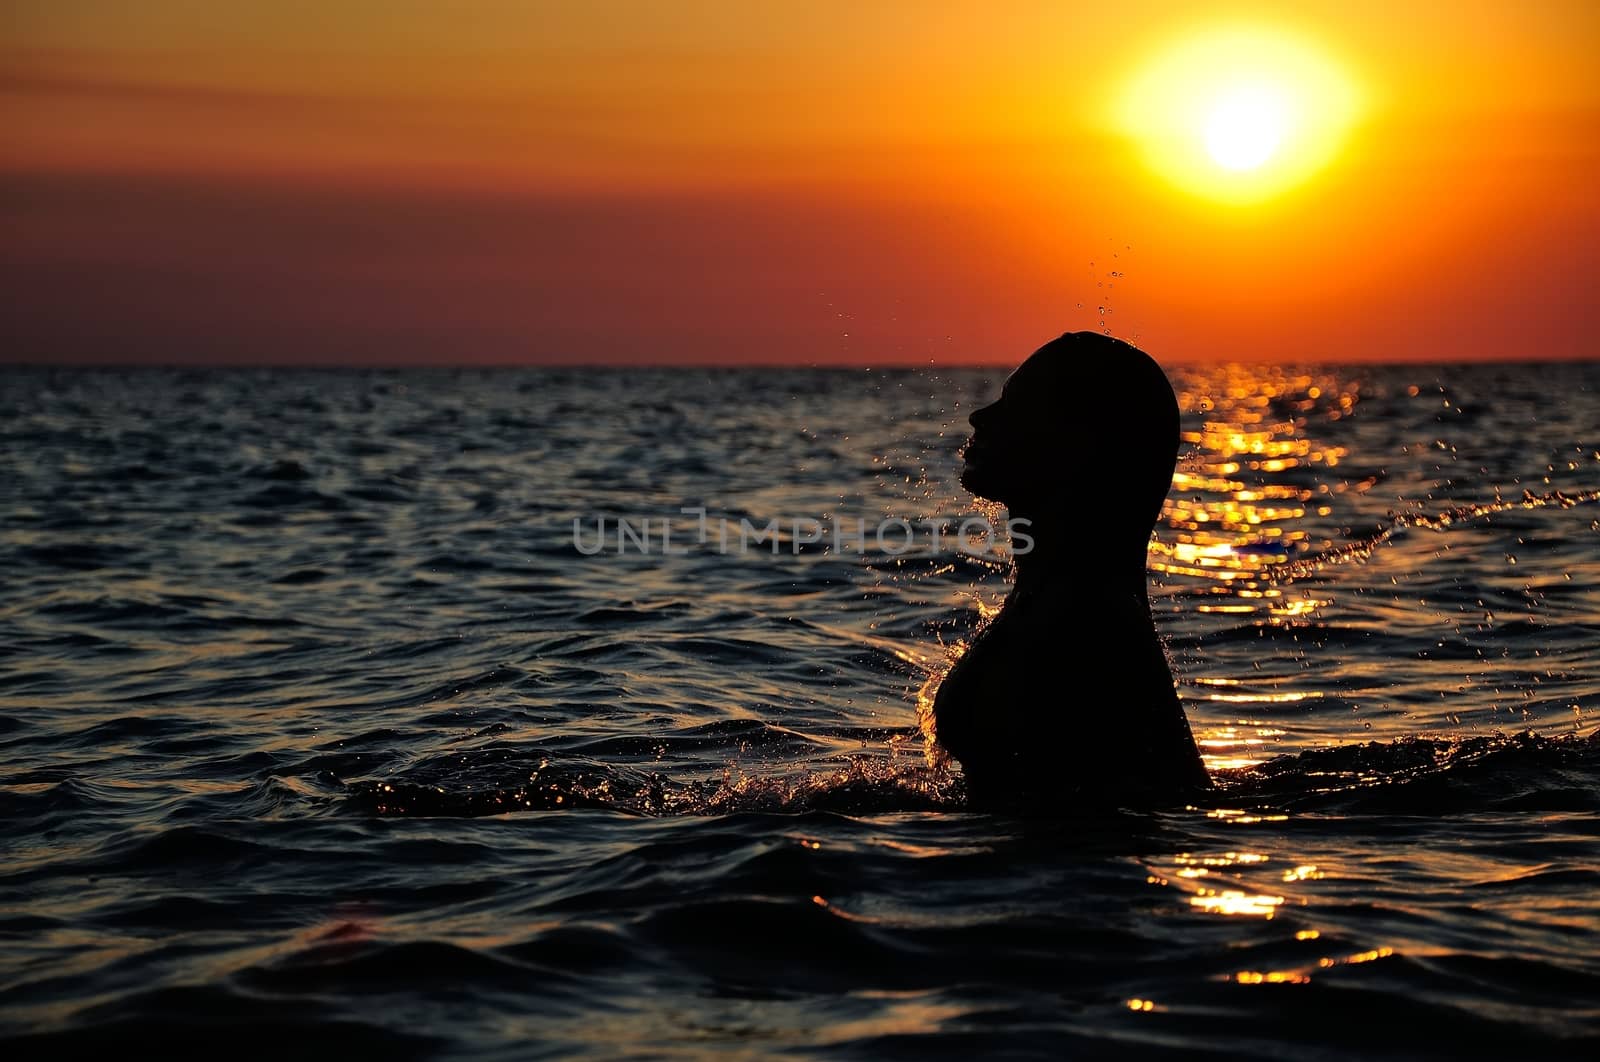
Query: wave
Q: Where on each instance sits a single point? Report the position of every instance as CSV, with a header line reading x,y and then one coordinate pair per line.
x,y
1442,520
1419,775
1429,776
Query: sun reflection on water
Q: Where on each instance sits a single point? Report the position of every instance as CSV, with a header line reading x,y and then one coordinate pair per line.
x,y
1253,494
1242,490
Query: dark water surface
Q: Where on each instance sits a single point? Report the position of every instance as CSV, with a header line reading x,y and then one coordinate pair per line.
x,y
319,731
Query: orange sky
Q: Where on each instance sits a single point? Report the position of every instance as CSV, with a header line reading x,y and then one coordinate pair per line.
x,y
404,181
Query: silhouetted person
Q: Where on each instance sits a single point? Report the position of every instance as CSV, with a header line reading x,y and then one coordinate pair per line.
x,y
1066,694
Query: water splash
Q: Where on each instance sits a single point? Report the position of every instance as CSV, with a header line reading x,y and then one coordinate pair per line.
x,y
1363,548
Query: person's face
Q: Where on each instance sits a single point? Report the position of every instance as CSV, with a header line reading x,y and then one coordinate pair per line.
x,y
997,455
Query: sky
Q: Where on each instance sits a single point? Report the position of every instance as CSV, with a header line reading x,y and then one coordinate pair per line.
x,y
709,182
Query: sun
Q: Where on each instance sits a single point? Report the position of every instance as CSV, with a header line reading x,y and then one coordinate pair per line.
x,y
1239,114
1246,127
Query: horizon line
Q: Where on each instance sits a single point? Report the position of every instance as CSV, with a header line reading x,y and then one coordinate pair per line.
x,y
731,366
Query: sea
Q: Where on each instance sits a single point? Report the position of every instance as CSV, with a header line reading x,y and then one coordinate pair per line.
x,y
549,713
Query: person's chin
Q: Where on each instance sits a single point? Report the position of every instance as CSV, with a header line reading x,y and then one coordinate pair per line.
x,y
976,479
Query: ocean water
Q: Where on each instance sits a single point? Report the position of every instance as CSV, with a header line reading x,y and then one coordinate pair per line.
x,y
322,730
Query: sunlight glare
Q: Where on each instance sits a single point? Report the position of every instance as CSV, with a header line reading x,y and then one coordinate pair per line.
x,y
1246,126
1239,114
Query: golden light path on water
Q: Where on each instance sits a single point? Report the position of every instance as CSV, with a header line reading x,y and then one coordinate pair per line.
x,y
1262,499
1241,884
1233,515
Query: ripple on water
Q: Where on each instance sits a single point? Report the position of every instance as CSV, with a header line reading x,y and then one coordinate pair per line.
x,y
317,729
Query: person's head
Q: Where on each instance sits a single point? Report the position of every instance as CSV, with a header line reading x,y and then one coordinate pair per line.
x,y
1087,421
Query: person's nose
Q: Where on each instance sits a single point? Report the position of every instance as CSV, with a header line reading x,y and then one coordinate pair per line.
x,y
981,416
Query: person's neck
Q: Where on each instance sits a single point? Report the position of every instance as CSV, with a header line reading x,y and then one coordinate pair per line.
x,y
1080,561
